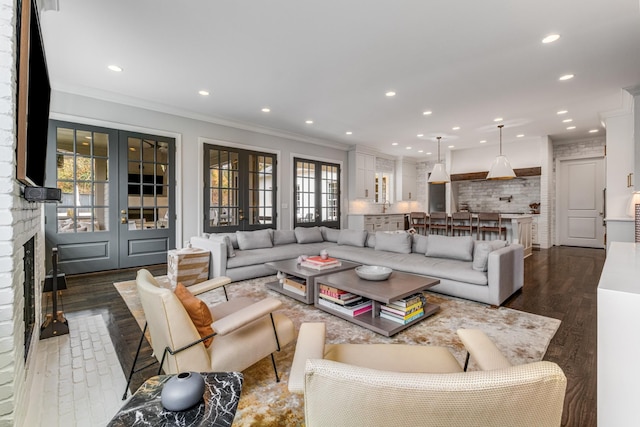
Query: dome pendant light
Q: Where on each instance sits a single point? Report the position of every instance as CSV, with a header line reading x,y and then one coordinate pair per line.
x,y
439,174
501,168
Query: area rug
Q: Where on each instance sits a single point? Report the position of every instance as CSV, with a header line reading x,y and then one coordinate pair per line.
x,y
523,338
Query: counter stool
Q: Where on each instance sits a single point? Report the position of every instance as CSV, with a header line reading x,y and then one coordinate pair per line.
x,y
438,221
490,222
418,220
461,222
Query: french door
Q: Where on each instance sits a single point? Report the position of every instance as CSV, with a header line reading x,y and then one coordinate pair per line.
x,y
316,193
240,189
117,197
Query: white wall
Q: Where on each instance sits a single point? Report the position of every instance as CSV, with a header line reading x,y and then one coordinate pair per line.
x,y
191,133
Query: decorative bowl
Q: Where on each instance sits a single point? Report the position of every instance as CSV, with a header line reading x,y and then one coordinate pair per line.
x,y
182,391
373,272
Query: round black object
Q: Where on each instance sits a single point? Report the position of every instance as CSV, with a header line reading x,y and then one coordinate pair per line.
x,y
182,391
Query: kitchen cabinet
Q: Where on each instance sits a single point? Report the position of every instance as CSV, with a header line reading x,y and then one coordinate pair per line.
x,y
534,231
362,175
376,222
406,180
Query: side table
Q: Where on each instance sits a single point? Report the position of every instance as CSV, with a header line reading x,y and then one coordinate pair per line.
x,y
218,407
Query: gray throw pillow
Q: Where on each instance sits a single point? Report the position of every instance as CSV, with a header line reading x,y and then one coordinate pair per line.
x,y
257,239
393,242
230,252
371,240
232,236
308,235
481,251
460,247
330,234
419,245
352,237
283,237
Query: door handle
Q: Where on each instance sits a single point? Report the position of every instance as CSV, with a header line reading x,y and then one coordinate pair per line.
x,y
123,220
240,215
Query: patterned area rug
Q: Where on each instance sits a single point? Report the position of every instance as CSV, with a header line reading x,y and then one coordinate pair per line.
x,y
523,338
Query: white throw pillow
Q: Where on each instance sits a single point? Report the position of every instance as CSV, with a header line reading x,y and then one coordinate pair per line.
x,y
459,247
393,242
352,237
257,239
481,251
308,235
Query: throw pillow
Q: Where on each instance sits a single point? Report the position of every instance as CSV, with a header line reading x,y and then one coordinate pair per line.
x,y
393,242
283,237
308,235
371,239
481,251
257,239
330,234
232,236
419,245
230,252
460,247
197,311
352,237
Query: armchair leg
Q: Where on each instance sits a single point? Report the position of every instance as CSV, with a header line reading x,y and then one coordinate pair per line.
x,y
133,365
275,370
466,362
273,360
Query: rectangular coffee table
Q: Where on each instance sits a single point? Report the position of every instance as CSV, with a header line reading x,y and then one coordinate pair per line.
x,y
397,286
306,275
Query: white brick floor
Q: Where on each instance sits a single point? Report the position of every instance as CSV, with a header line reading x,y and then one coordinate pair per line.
x,y
78,379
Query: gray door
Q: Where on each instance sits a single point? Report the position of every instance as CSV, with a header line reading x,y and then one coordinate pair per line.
x,y
86,227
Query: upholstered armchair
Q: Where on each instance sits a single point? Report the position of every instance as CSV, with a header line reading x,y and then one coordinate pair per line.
x,y
359,393
244,331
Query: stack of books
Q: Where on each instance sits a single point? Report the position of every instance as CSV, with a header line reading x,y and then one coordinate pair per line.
x,y
318,263
404,310
295,284
343,301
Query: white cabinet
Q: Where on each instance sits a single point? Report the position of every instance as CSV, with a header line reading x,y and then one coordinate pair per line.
x,y
534,231
362,175
380,222
406,180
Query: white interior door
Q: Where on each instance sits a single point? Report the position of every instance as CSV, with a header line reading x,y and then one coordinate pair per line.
x,y
581,202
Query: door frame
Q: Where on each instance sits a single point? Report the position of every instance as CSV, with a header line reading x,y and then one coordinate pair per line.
x,y
558,186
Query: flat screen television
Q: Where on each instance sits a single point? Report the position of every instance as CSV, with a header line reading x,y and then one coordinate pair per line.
x,y
34,94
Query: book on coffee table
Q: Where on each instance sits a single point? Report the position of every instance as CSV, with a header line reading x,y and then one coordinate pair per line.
x,y
320,265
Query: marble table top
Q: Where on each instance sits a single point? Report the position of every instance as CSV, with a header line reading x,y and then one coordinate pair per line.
x,y
218,407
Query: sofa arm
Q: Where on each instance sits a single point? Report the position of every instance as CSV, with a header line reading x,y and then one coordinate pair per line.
x,y
483,350
246,315
505,272
218,250
310,345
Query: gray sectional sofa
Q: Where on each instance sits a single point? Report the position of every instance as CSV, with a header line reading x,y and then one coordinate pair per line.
x,y
484,271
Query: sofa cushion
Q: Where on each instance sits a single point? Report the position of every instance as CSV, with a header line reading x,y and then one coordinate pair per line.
x,y
352,237
330,234
308,234
419,245
393,242
197,311
230,251
481,251
256,239
459,247
278,253
232,236
283,237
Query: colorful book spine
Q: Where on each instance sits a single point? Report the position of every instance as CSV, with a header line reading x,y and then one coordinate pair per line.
x,y
401,312
399,320
353,311
342,301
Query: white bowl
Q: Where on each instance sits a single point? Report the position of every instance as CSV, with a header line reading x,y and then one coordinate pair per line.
x,y
373,272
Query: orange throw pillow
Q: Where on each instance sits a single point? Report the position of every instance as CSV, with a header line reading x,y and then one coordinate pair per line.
x,y
198,312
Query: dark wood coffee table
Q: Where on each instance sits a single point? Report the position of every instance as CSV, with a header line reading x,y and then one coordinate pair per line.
x,y
397,286
307,275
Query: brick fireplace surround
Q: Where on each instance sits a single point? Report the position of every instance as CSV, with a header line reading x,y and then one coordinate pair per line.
x,y
19,222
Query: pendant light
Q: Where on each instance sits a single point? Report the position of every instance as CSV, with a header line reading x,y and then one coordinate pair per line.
x,y
501,168
439,174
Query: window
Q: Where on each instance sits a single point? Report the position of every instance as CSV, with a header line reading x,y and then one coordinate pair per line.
x,y
316,193
384,186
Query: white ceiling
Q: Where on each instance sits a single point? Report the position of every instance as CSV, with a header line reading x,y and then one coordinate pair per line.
x,y
332,61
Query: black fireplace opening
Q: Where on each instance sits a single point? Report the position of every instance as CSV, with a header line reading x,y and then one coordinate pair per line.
x,y
29,294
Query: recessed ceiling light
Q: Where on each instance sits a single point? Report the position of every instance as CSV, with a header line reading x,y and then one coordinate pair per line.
x,y
115,68
409,148
593,131
390,93
349,132
498,119
266,109
567,120
394,143
451,146
550,38
429,153
203,92
571,127
420,135
427,113
561,112
420,151
566,77
309,122
520,135
456,128
483,141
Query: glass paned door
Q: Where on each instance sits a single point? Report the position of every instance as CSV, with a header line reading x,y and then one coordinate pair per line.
x,y
317,193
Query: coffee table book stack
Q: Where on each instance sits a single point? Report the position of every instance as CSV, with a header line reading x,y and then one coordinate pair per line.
x,y
404,310
343,301
319,263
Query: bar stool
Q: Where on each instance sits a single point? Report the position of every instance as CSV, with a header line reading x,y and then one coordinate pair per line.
x,y
438,221
490,222
418,220
461,222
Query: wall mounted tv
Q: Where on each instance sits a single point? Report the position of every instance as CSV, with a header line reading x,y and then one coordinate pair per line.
x,y
34,94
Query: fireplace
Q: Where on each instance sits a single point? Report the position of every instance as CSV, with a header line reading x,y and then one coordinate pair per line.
x,y
29,294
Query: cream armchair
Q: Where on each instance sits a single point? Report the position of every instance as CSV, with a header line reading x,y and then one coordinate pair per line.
x,y
245,331
438,394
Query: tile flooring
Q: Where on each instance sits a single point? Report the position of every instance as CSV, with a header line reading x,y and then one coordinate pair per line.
x,y
78,380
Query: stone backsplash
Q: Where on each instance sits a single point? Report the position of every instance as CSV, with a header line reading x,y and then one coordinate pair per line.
x,y
485,196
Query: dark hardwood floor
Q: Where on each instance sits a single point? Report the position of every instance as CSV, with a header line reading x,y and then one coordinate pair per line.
x,y
560,282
